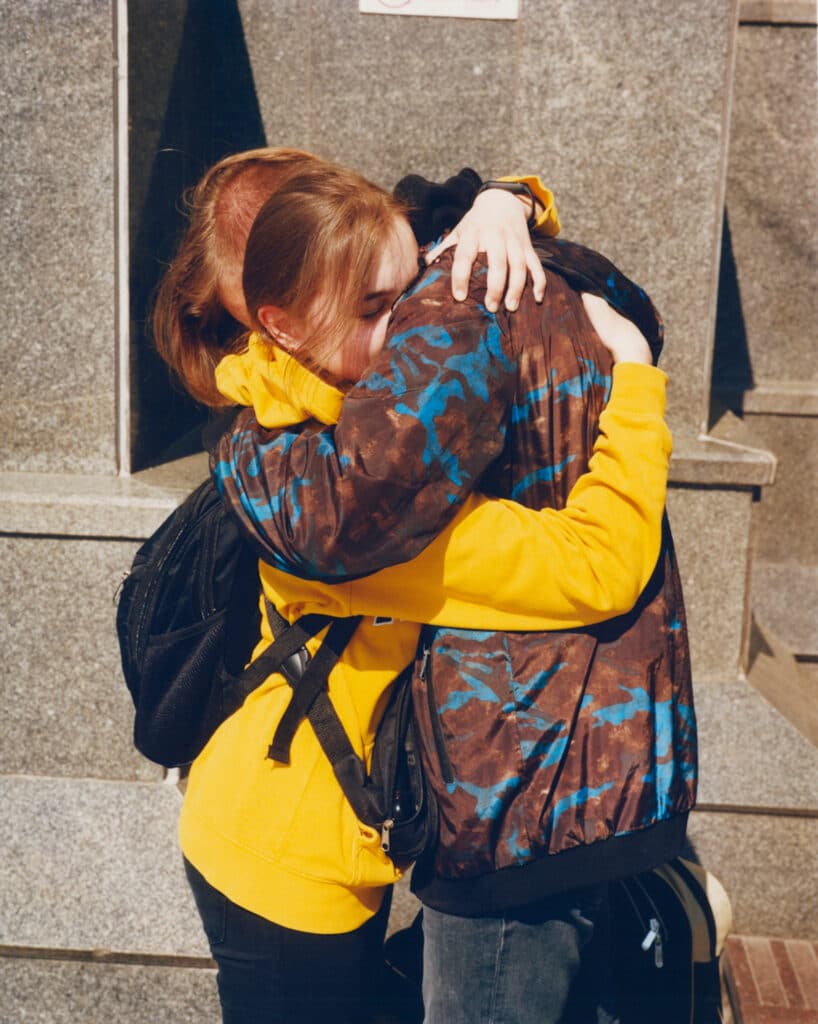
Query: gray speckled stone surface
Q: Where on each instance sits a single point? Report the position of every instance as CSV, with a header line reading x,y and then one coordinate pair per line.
x,y
772,198
57,314
405,906
631,136
711,528
750,756
392,95
88,865
707,461
788,512
66,992
785,598
64,705
279,38
78,505
769,867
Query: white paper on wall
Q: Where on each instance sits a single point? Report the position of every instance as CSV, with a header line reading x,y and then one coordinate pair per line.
x,y
505,10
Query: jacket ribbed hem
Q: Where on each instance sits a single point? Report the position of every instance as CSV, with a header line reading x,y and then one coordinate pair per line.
x,y
501,891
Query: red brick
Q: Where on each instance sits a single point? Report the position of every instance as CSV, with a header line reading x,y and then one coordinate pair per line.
x,y
765,971
759,969
787,973
805,963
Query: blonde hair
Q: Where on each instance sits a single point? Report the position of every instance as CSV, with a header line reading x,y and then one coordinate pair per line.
x,y
312,251
192,329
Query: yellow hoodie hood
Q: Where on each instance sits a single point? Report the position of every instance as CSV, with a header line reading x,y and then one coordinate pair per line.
x,y
280,390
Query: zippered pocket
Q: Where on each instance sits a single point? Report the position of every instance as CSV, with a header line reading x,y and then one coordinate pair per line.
x,y
654,930
425,675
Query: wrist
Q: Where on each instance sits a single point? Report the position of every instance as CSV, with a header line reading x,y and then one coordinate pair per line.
x,y
521,189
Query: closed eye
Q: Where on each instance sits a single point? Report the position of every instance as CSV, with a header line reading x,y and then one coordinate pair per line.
x,y
375,311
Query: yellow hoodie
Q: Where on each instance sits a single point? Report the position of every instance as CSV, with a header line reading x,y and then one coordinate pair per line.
x,y
281,840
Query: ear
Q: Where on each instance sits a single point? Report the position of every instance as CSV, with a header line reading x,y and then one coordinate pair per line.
x,y
280,326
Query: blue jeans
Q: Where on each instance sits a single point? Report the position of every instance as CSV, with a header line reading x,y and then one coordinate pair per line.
x,y
543,964
273,975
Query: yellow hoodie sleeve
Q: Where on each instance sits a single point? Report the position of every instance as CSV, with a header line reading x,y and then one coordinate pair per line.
x,y
548,220
499,565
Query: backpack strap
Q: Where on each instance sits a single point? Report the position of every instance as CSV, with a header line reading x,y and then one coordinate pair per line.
x,y
286,654
306,675
310,685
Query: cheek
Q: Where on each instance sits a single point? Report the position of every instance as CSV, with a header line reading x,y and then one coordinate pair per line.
x,y
362,348
377,337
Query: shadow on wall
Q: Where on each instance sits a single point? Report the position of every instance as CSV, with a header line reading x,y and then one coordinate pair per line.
x,y
732,366
192,99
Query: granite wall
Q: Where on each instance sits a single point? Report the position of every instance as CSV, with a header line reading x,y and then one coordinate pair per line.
x,y
109,110
58,356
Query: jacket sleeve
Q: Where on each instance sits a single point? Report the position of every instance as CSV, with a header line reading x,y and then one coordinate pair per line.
x,y
500,565
412,441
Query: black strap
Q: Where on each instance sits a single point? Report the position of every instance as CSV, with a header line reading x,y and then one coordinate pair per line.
x,y
308,678
284,655
307,688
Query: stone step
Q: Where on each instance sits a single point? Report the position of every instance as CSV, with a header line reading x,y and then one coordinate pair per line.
x,y
38,991
97,923
88,865
756,826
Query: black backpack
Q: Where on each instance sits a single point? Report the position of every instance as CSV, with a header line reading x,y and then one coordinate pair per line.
x,y
668,928
188,619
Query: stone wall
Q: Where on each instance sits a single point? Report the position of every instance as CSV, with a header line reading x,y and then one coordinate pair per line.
x,y
109,110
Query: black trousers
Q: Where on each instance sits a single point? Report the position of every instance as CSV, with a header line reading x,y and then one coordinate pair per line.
x,y
268,974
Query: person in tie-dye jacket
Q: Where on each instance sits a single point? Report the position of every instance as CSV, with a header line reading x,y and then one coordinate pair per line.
x,y
284,875
560,760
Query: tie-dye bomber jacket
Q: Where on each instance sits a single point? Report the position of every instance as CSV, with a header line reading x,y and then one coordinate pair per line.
x,y
558,759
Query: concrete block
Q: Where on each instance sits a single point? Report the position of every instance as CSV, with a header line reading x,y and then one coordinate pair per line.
x,y
279,38
786,514
69,992
88,865
769,866
785,600
783,681
430,95
404,907
610,127
65,707
772,204
57,312
750,755
711,528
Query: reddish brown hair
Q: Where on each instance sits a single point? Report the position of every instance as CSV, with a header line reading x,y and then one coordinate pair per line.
x,y
191,328
312,250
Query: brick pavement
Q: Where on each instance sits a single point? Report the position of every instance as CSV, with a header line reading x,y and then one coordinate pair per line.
x,y
771,980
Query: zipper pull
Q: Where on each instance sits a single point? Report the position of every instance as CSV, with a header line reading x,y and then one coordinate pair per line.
x,y
654,938
386,828
424,662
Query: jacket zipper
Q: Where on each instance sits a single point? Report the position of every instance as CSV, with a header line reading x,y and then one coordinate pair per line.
x,y
446,769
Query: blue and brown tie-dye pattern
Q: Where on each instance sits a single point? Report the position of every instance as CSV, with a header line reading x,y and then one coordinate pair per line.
x,y
536,744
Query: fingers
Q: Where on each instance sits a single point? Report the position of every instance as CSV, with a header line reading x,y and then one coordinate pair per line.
x,y
497,259
464,256
516,273
536,272
453,238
